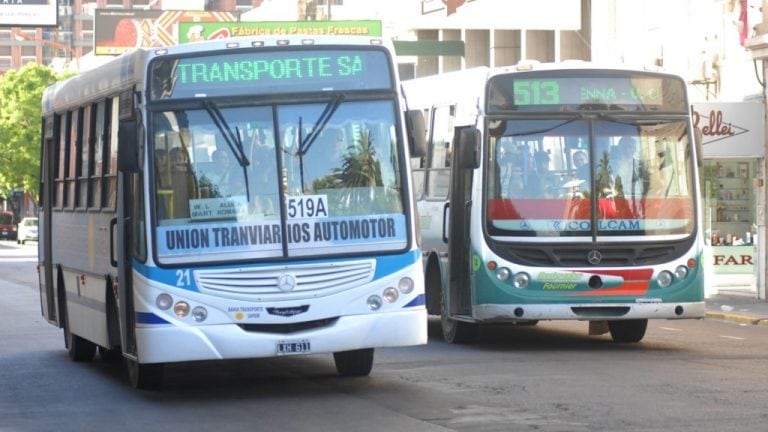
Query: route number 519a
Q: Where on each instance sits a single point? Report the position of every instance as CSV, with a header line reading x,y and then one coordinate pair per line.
x,y
307,206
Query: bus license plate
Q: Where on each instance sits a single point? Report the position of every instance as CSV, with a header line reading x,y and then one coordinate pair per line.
x,y
293,347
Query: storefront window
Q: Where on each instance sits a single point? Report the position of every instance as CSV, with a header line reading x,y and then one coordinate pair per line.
x,y
730,211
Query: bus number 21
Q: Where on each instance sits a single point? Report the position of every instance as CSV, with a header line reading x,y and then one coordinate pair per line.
x,y
182,277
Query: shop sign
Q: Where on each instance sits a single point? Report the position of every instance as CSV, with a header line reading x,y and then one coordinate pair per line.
x,y
733,259
735,129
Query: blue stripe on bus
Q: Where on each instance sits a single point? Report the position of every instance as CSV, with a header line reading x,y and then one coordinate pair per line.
x,y
149,318
419,300
385,266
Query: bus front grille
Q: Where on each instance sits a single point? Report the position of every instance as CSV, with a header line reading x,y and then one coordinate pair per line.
x,y
288,328
542,255
285,282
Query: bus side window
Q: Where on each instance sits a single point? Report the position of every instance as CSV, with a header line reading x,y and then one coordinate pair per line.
x,y
440,152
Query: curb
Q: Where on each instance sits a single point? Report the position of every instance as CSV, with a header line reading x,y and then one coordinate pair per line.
x,y
744,319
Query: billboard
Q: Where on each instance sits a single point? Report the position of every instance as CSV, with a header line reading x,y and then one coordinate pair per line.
x,y
29,13
193,32
119,30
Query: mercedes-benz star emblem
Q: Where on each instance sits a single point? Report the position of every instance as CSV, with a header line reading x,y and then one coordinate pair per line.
x,y
286,282
594,257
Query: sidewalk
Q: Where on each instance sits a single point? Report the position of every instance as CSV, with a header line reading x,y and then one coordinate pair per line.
x,y
737,305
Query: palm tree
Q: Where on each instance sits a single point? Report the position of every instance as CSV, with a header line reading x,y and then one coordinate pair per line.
x,y
603,187
361,167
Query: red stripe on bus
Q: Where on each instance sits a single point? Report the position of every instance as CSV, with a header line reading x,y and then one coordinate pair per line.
x,y
633,288
614,208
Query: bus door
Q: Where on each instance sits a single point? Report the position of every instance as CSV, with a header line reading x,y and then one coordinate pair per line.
x,y
44,252
127,226
459,295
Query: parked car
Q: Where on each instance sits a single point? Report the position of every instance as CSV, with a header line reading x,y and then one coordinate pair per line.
x,y
7,225
27,230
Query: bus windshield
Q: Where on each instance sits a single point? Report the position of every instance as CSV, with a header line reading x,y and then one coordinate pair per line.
x,y
580,176
244,182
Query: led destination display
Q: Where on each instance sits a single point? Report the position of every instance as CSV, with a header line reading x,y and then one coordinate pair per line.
x,y
267,72
568,88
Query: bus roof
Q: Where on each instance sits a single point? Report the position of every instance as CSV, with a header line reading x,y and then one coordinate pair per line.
x,y
534,65
129,70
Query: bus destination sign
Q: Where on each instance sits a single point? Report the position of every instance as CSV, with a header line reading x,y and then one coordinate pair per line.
x,y
266,72
639,91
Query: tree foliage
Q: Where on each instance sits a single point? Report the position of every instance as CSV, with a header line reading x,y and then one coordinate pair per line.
x,y
20,118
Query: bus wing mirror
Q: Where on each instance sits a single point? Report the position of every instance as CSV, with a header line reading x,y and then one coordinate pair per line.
x,y
469,148
417,133
127,148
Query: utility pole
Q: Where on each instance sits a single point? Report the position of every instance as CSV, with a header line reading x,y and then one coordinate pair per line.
x,y
758,46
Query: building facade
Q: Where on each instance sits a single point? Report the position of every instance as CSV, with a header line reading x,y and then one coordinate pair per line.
x,y
73,39
702,40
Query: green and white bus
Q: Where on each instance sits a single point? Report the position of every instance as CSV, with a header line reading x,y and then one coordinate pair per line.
x,y
559,192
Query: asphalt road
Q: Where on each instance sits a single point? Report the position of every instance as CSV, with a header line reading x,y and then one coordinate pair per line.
x,y
703,375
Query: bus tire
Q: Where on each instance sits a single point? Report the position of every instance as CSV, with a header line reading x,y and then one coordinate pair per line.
x,y
144,376
454,331
354,363
628,331
433,285
457,332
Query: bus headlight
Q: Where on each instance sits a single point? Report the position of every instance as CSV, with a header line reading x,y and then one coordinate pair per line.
x,y
681,272
374,302
503,274
199,314
164,301
664,279
521,280
181,309
390,295
405,285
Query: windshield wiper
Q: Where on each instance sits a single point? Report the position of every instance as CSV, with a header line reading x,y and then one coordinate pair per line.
x,y
232,138
544,130
325,116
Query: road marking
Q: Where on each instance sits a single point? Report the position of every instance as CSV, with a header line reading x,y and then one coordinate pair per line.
x,y
732,337
672,329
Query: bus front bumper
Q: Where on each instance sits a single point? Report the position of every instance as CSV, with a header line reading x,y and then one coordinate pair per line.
x,y
587,311
169,343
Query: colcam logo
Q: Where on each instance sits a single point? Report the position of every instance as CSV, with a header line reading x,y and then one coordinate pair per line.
x,y
594,257
286,282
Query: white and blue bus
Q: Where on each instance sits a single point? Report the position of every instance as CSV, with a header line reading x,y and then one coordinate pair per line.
x,y
559,192
232,199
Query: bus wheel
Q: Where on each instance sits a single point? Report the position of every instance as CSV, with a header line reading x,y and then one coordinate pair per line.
x,y
354,363
144,376
458,332
628,330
